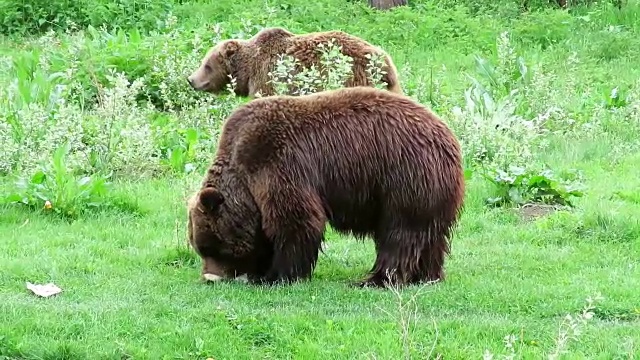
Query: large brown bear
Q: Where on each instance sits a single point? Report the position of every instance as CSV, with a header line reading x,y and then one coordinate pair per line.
x,y
250,61
367,161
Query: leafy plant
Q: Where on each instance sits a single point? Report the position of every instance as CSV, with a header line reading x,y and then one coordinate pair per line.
x,y
510,72
181,154
54,188
37,16
519,186
615,99
334,70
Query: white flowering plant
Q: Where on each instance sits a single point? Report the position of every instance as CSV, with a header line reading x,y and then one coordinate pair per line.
x,y
65,130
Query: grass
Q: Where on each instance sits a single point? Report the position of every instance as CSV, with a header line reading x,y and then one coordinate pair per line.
x,y
130,284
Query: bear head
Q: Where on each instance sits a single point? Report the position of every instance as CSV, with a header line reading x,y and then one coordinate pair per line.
x,y
225,231
213,73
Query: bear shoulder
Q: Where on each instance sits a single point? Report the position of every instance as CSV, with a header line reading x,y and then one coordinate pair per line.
x,y
271,35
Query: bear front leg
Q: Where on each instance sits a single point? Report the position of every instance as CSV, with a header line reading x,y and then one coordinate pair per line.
x,y
294,224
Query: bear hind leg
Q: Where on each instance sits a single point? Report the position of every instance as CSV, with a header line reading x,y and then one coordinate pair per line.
x,y
294,224
408,256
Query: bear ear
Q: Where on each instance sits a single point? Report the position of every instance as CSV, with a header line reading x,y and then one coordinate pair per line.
x,y
230,48
211,198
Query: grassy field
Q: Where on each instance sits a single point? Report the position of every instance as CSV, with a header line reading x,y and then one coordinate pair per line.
x,y
544,100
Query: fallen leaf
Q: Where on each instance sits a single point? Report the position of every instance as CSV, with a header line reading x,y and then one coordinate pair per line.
x,y
44,290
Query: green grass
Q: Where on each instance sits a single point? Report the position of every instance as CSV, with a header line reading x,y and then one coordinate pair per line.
x,y
131,287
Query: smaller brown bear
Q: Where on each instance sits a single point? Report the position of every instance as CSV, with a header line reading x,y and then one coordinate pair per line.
x,y
250,61
367,161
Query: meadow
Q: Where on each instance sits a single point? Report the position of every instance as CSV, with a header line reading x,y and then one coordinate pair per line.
x,y
102,141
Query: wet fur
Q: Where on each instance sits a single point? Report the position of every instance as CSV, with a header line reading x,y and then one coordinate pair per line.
x,y
370,162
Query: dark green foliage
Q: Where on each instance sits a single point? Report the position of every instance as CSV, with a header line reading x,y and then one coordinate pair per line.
x,y
38,16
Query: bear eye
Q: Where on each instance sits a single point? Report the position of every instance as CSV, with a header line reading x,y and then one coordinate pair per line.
x,y
207,67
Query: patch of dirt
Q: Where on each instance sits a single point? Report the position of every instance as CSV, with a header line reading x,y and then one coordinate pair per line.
x,y
530,212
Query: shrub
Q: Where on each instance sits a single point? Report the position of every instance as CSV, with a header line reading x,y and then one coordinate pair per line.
x,y
502,133
335,68
37,117
118,135
109,123
34,116
39,16
54,188
520,186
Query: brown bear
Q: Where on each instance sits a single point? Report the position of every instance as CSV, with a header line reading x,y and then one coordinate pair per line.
x,y
250,61
369,162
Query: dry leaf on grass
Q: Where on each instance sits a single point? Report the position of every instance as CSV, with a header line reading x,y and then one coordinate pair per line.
x,y
44,290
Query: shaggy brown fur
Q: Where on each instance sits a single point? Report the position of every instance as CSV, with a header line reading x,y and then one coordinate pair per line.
x,y
246,254
368,161
250,61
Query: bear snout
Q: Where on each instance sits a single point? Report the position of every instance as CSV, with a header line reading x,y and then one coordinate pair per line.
x,y
196,85
193,83
215,278
212,277
212,271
